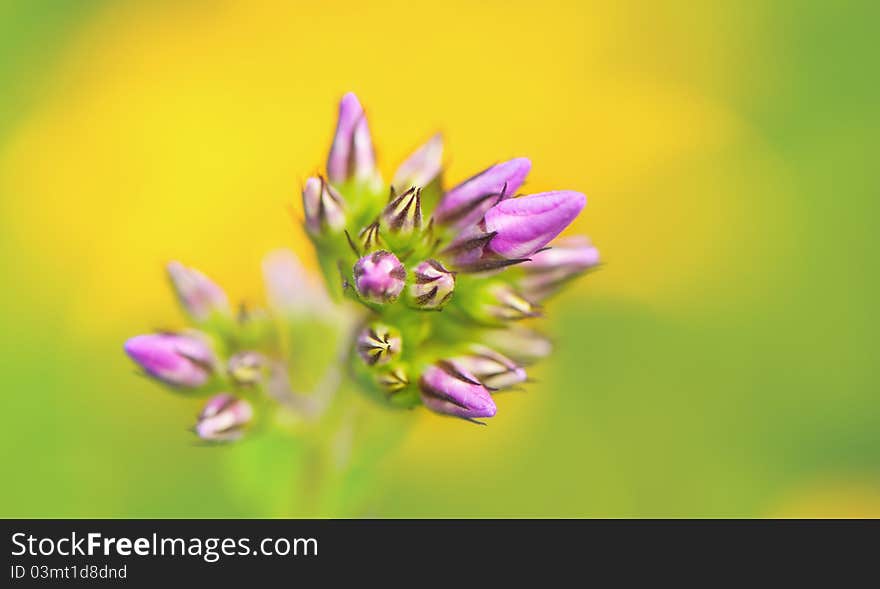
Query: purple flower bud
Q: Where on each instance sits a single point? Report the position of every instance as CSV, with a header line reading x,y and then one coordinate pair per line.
x,y
323,206
404,213
520,343
494,370
421,167
549,269
524,225
197,293
246,368
451,390
467,203
378,343
351,155
433,285
379,277
178,360
224,418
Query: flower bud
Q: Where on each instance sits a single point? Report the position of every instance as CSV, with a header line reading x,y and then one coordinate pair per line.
x,y
524,225
524,345
224,418
379,277
323,206
494,370
404,213
246,368
393,381
378,343
421,167
507,305
433,285
466,204
178,360
201,297
448,389
351,155
549,269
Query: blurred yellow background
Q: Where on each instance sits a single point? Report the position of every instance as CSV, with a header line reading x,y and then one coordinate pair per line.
x,y
722,362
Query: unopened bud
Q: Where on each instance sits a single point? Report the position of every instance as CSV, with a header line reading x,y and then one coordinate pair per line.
x,y
421,167
246,368
323,206
432,286
494,370
449,389
393,381
549,269
379,277
378,343
199,296
508,305
520,343
224,418
404,213
178,360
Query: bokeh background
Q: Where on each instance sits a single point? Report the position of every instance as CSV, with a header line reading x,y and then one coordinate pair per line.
x,y
723,363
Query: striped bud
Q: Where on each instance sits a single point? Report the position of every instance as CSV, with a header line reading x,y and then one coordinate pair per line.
x,y
393,381
404,213
378,343
508,305
433,285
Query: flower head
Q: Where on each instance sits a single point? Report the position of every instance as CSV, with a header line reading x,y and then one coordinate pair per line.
x,y
428,291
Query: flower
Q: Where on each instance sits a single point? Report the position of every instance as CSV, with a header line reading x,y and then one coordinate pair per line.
x,y
198,295
178,360
224,418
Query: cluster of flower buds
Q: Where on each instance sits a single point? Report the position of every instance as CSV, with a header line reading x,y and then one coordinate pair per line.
x,y
442,279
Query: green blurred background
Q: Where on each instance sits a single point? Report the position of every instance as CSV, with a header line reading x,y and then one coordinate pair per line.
x,y
721,364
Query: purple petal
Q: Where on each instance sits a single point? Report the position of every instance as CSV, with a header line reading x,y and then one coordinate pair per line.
x,y
466,203
526,224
